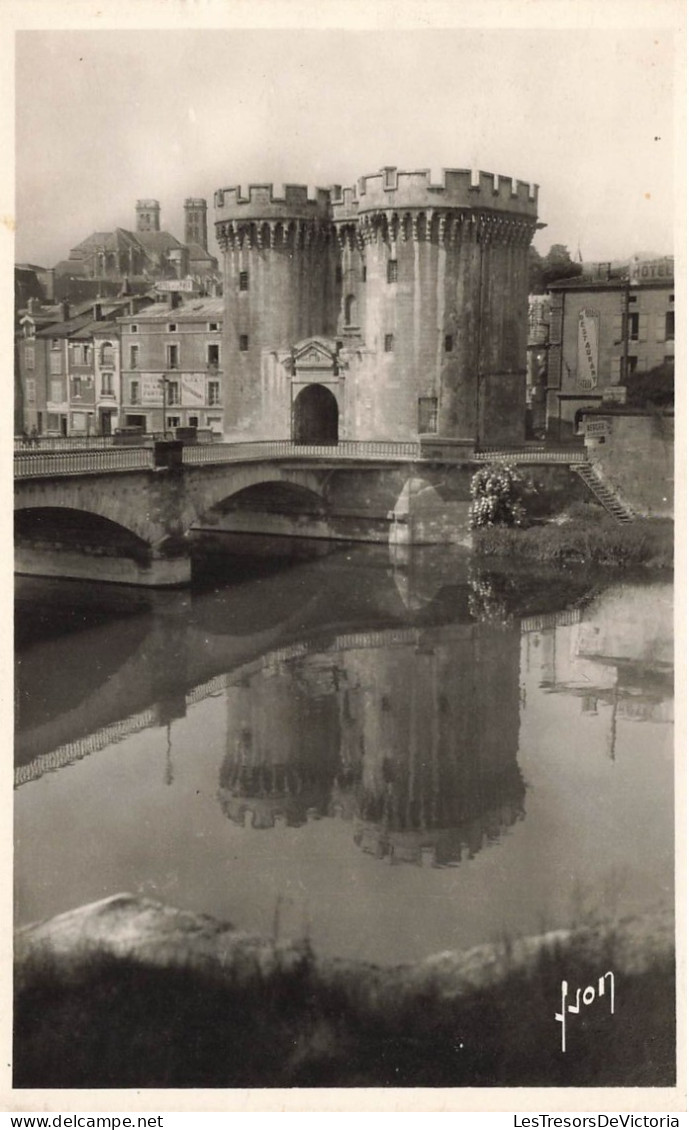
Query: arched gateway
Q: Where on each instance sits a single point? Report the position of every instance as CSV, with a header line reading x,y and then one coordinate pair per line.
x,y
315,416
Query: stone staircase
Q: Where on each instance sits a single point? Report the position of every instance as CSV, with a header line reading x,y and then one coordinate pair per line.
x,y
604,493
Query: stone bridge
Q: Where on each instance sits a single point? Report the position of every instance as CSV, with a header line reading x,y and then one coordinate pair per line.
x,y
126,514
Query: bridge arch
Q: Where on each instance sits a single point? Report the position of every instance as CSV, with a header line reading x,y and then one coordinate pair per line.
x,y
233,486
77,525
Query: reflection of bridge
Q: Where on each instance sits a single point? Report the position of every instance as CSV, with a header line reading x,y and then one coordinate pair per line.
x,y
124,514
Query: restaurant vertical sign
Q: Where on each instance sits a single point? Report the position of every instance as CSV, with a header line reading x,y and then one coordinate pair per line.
x,y
587,350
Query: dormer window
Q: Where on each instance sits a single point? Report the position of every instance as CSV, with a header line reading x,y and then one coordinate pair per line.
x,y
172,328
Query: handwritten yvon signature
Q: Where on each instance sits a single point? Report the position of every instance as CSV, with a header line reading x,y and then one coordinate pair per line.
x,y
587,995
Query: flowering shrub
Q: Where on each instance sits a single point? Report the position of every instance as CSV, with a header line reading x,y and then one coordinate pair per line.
x,y
496,494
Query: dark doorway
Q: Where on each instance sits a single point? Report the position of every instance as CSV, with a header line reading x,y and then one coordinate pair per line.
x,y
315,416
106,422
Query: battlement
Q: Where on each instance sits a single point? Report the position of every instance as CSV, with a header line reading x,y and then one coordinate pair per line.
x,y
151,205
390,188
268,202
393,188
195,202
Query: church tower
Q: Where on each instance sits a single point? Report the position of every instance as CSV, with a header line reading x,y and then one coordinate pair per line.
x,y
196,222
147,215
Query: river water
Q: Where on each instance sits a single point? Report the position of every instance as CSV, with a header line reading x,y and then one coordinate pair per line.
x,y
393,757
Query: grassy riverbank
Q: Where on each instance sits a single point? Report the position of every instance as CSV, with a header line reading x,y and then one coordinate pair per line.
x,y
262,1017
585,535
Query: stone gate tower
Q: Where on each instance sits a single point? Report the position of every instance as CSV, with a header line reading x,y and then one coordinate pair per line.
x,y
397,308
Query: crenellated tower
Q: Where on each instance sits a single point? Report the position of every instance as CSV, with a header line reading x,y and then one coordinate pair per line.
x,y
417,292
278,284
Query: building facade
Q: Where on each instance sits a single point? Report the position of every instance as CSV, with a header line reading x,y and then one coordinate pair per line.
x,y
604,328
171,366
390,310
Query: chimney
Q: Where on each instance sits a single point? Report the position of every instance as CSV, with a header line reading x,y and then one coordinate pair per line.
x,y
97,312
64,311
50,284
174,299
32,305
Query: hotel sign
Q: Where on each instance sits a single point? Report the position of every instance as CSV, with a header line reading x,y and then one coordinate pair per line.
x,y
587,349
652,269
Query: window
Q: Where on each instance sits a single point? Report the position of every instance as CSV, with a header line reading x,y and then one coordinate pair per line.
x,y
633,329
632,363
243,280
632,298
338,274
449,343
213,354
213,392
389,343
56,392
134,329
173,357
76,388
670,325
193,421
31,390
363,273
54,343
107,356
55,363
428,414
243,343
392,270
53,422
390,178
172,422
213,327
133,356
29,356
172,392
671,298
134,397
106,386
669,360
350,310
172,328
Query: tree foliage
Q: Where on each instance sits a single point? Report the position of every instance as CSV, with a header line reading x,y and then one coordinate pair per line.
x,y
557,264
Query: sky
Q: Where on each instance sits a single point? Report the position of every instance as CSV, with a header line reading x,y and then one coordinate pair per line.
x,y
106,117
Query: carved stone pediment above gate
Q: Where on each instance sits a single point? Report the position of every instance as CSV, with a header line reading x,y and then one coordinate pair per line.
x,y
315,359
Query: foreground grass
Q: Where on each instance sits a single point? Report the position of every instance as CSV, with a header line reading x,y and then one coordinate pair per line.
x,y
591,539
120,1022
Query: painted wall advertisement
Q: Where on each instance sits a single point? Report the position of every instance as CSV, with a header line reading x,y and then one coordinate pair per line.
x,y
193,390
587,349
151,390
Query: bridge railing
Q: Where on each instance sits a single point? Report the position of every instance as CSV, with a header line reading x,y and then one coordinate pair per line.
x,y
36,464
533,455
42,464
391,451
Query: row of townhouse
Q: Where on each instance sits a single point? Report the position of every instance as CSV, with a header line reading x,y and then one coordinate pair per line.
x,y
120,363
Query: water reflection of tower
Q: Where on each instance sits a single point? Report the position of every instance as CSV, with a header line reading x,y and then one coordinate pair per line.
x,y
417,740
283,742
439,774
